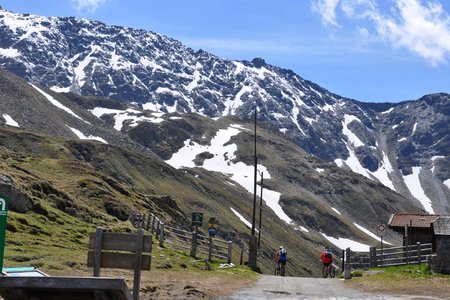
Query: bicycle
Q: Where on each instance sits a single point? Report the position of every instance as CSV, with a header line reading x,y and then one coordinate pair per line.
x,y
280,269
329,270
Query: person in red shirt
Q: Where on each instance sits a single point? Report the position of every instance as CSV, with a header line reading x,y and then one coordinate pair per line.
x,y
326,257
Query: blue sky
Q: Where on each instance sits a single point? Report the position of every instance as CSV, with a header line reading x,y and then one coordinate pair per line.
x,y
368,50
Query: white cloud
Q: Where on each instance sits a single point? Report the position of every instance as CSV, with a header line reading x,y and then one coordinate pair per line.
x,y
327,10
89,5
421,27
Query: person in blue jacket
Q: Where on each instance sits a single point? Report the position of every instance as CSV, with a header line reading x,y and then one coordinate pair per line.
x,y
281,257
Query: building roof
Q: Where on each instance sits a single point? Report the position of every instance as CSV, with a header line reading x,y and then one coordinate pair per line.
x,y
400,220
441,226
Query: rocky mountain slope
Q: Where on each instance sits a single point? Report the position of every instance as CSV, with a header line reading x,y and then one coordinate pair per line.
x,y
66,161
405,146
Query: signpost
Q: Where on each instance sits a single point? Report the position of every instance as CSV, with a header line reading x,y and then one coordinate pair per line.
x,y
197,219
381,228
3,215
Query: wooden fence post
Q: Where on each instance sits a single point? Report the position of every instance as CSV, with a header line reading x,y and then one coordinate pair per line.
x,y
137,268
153,223
419,258
408,253
157,229
230,252
210,248
373,256
149,217
161,234
139,221
194,244
98,251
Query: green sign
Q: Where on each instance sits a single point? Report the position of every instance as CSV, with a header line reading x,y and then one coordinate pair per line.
x,y
3,213
197,219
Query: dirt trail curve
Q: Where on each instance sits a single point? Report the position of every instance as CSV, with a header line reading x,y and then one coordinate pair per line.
x,y
275,287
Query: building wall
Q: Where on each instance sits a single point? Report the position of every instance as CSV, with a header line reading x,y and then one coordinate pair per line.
x,y
440,262
418,235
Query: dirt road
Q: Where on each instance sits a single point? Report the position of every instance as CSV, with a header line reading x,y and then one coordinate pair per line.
x,y
275,287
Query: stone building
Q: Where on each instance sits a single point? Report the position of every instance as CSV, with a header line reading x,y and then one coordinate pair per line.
x,y
440,261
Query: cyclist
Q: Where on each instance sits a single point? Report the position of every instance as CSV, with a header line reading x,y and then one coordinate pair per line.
x,y
326,257
280,258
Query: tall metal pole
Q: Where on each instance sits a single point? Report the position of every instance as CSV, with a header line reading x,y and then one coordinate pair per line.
x,y
254,185
253,243
260,211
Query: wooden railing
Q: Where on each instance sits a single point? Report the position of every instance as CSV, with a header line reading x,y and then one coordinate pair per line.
x,y
391,256
193,242
394,256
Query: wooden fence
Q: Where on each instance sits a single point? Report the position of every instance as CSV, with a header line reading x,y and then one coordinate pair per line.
x,y
193,242
391,256
403,255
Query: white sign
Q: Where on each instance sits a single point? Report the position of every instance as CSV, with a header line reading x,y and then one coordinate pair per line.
x,y
2,206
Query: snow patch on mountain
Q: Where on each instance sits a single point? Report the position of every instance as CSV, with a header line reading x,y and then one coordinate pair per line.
x,y
301,228
336,211
243,220
352,162
433,159
196,78
82,136
412,181
352,138
11,53
382,174
232,104
58,104
26,25
447,183
344,243
10,121
222,161
120,116
388,111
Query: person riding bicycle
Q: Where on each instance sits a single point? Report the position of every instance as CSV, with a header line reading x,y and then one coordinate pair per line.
x,y
326,257
280,257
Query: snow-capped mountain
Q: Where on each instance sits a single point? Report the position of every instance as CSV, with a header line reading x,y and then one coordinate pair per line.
x,y
404,146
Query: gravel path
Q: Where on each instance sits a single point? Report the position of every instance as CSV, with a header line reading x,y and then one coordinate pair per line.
x,y
275,287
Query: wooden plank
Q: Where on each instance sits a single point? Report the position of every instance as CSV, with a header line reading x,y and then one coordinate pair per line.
x,y
182,236
79,288
120,241
119,260
98,238
138,263
180,231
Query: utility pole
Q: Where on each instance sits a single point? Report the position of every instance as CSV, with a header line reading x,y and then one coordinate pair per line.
x,y
260,212
252,245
